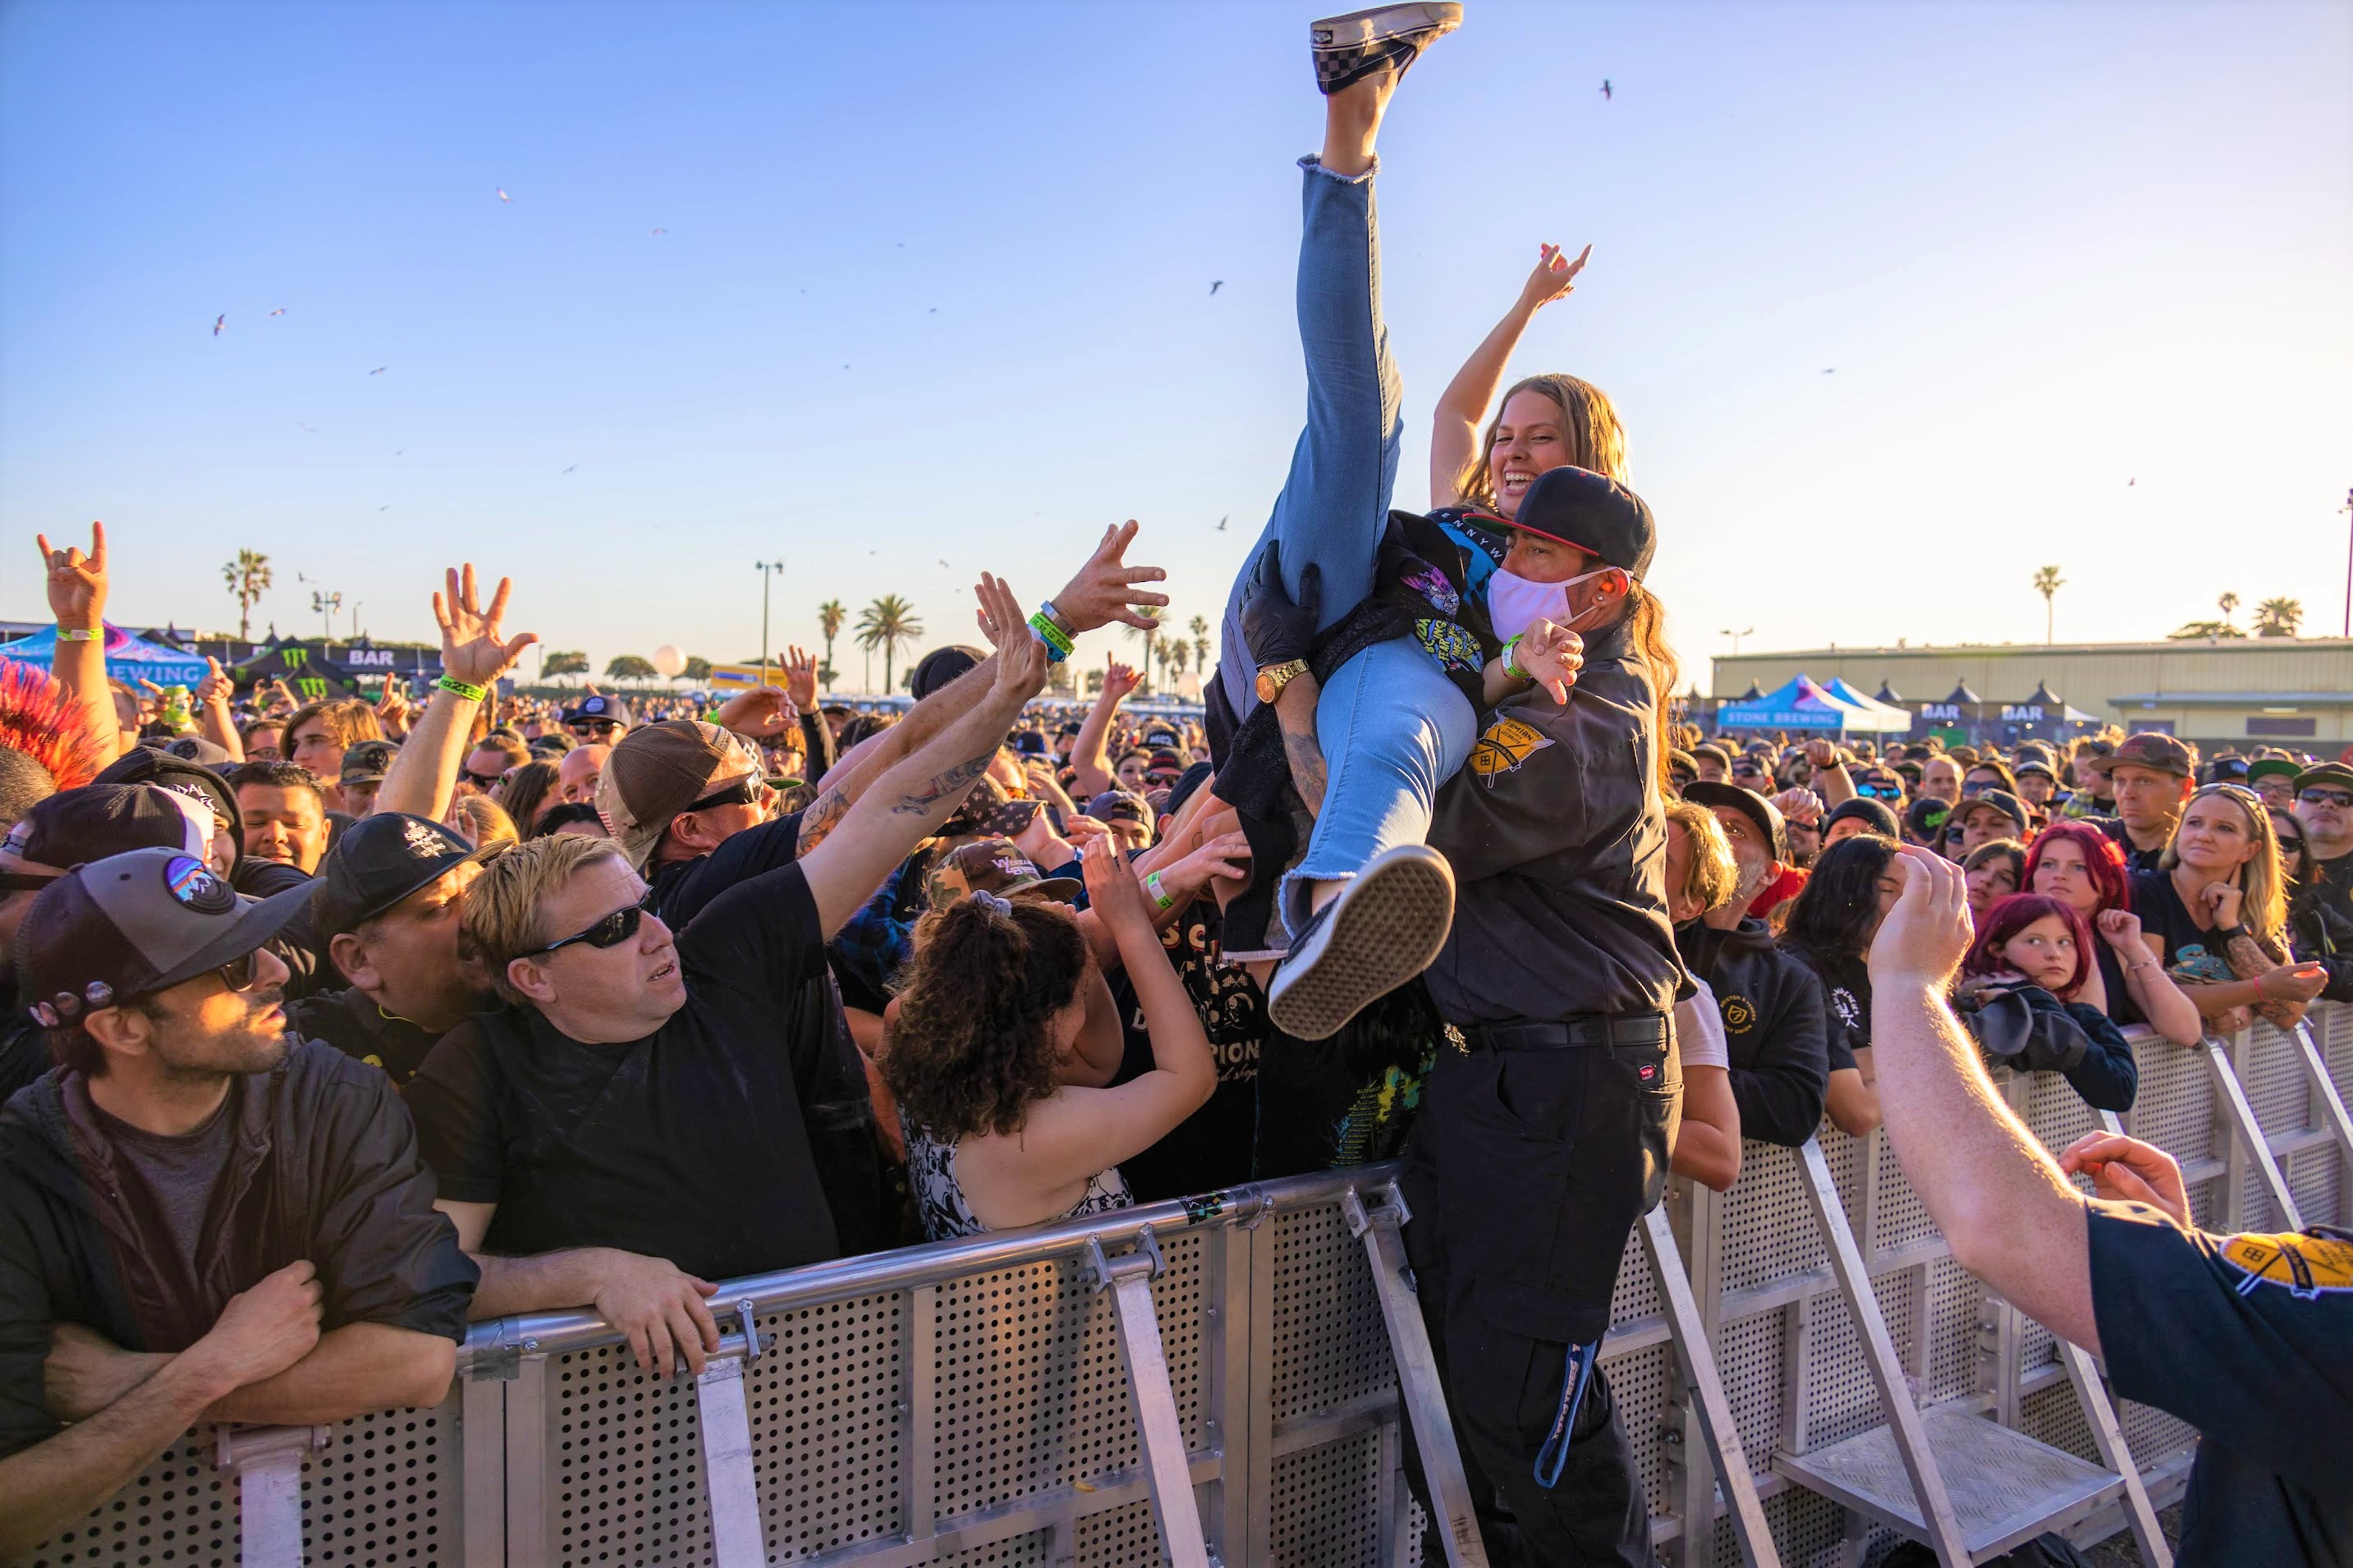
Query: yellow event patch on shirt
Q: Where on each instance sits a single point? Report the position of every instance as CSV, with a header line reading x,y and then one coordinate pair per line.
x,y
1507,743
2306,1265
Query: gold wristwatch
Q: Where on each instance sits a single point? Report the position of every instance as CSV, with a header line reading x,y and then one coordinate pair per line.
x,y
1275,676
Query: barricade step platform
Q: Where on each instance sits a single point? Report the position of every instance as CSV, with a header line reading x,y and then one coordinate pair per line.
x,y
976,1402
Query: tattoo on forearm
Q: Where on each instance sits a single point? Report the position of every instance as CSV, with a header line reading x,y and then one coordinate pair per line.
x,y
1306,759
824,815
940,786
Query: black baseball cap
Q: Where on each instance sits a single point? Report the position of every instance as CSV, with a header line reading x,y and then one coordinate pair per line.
x,y
377,862
2008,803
133,925
197,749
1873,815
2335,774
2230,769
77,826
1119,805
144,765
1593,513
596,705
938,668
1712,793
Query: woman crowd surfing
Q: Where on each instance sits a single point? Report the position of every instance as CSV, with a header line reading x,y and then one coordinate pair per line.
x,y
1470,705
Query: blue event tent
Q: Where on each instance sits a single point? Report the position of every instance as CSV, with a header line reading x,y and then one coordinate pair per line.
x,y
1805,704
128,657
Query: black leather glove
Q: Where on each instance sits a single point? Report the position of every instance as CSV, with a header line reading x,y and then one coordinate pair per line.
x,y
1275,629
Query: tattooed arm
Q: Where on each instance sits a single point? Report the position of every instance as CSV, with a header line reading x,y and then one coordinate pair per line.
x,y
1294,710
901,808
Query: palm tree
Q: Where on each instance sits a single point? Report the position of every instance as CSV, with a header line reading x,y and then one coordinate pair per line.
x,y
1160,647
2226,604
697,669
2047,582
1150,638
1180,654
565,661
2279,617
1200,630
248,579
829,616
889,624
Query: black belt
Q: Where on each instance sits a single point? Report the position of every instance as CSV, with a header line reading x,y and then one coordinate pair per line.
x,y
1588,1029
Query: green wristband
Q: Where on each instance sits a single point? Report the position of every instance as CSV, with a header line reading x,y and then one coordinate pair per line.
x,y
457,688
75,634
1513,671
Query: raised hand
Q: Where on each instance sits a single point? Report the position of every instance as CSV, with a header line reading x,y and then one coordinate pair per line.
x,y
1800,806
1103,591
1552,654
2223,901
1555,276
758,714
472,650
1822,754
392,708
77,581
1021,661
800,680
1119,679
1113,891
1922,939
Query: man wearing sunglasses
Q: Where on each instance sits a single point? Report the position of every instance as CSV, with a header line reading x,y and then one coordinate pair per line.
x,y
2324,804
206,1220
677,1095
596,717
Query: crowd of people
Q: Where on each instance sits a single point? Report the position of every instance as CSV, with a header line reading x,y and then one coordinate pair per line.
x,y
332,1025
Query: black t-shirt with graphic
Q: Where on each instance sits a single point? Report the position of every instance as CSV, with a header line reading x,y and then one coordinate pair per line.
x,y
1211,1148
2243,1337
2191,952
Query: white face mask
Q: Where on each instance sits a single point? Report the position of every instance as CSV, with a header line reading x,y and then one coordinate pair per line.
x,y
1516,603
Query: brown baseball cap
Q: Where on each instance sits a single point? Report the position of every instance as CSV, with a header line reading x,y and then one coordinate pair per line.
x,y
992,865
658,770
2149,749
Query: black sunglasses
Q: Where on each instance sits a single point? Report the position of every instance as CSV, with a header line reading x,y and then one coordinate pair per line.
x,y
239,973
2316,796
485,783
594,726
749,790
2291,844
613,930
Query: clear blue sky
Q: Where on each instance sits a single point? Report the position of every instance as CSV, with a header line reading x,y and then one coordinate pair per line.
x,y
935,286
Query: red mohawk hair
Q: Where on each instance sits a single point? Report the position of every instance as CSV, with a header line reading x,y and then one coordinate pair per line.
x,y
40,720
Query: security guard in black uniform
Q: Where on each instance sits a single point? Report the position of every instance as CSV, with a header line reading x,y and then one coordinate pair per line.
x,y
1545,1131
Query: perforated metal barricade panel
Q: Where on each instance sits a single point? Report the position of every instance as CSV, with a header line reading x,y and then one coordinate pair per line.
x,y
384,1492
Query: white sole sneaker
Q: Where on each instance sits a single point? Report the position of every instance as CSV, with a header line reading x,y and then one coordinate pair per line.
x,y
1348,46
1387,924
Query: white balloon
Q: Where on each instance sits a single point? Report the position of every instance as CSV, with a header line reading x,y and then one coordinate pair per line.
x,y
670,660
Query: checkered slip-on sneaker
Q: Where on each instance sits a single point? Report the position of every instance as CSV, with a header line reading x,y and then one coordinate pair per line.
x,y
1351,48
1384,928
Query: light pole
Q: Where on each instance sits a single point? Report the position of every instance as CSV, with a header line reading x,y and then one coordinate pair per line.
x,y
2347,509
327,604
1735,636
767,569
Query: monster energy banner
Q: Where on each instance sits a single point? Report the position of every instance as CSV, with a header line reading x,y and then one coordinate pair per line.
x,y
315,672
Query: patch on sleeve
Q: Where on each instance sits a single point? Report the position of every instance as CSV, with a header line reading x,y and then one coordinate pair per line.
x,y
2307,1266
1508,743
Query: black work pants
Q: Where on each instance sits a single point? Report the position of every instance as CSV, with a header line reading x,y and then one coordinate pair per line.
x,y
1526,1172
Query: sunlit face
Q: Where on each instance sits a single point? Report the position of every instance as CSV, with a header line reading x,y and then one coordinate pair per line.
x,y
2215,837
2146,798
2326,809
576,774
314,746
1981,824
266,744
1940,778
1681,906
2036,789
485,766
1752,852
1844,827
2045,952
411,951
1994,879
1542,560
1530,438
1710,770
1131,771
282,824
200,1027
1749,773
2061,872
1804,842
2277,790
623,992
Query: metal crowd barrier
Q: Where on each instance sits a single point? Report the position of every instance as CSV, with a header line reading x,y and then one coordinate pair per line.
x,y
1214,1381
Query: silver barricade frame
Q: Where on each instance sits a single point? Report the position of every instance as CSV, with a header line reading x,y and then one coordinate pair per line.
x,y
1021,1445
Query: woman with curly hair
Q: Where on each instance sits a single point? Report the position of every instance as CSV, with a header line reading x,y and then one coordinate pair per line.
x,y
2082,867
1007,1123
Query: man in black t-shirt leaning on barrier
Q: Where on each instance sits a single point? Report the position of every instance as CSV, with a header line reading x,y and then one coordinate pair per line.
x,y
2242,1336
631,1129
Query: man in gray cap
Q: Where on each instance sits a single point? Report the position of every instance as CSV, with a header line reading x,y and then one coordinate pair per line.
x,y
203,1221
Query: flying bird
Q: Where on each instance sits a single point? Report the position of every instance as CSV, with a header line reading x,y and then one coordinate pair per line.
x,y
1223,520
2129,483
935,311
1831,370
380,370
944,564
305,429
502,194
400,451
218,322
1606,94
573,466
279,312
659,231
384,507
1216,284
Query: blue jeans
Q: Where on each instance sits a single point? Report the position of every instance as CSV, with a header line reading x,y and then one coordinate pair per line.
x,y
1392,726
